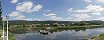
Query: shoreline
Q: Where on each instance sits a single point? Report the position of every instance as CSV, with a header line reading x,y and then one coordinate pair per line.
x,y
11,35
53,29
99,37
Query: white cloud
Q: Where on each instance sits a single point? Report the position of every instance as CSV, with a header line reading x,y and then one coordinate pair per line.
x,y
89,9
85,14
100,1
47,10
14,14
52,16
96,1
88,0
81,17
67,18
31,19
96,13
17,15
37,19
55,18
100,18
49,14
14,1
23,7
20,17
28,7
28,19
94,8
70,9
37,7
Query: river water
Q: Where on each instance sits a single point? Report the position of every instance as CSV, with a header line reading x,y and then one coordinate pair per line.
x,y
62,35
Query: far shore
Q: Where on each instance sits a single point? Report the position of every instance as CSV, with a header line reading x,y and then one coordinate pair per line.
x,y
52,29
99,37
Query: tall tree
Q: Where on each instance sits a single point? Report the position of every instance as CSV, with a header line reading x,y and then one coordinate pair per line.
x,y
0,12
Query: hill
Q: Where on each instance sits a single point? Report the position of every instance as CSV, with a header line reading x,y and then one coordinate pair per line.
x,y
19,22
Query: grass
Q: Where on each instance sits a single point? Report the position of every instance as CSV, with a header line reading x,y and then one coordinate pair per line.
x,y
53,29
100,37
11,36
0,34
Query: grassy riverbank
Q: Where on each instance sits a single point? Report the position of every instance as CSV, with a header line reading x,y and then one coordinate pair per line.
x,y
0,34
11,36
76,28
23,29
99,37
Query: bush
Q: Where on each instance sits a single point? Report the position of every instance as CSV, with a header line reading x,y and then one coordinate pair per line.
x,y
11,36
0,35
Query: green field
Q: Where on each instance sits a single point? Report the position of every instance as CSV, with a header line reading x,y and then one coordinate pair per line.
x,y
99,37
0,34
11,36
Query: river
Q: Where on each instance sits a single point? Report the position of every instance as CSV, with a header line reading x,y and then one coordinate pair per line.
x,y
62,35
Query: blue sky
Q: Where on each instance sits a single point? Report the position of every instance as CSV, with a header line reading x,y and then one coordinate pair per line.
x,y
59,10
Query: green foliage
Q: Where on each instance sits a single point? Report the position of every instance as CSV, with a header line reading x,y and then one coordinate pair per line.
x,y
0,35
99,37
11,36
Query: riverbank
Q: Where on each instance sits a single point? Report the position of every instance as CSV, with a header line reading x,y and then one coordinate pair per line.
x,y
61,35
23,29
99,37
0,34
11,35
76,28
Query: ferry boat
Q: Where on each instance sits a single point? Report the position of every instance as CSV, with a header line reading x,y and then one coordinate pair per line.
x,y
43,32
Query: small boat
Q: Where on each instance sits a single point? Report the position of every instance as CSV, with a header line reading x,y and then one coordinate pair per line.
x,y
43,32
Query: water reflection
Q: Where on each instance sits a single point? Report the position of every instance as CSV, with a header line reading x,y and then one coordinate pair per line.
x,y
61,35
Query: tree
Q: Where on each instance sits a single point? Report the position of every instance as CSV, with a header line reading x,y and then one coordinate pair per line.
x,y
0,13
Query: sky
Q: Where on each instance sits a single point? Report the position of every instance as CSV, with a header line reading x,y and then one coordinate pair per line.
x,y
57,10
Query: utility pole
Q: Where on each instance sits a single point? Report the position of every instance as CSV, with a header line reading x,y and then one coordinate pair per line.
x,y
7,17
3,27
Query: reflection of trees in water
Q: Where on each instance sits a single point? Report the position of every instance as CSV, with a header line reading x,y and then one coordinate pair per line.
x,y
80,30
50,36
77,30
25,30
